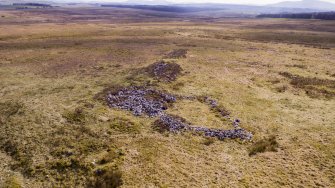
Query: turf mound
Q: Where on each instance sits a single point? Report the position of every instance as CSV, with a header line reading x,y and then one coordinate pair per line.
x,y
176,54
164,71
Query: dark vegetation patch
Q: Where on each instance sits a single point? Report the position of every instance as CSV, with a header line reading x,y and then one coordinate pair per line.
x,y
281,89
72,164
21,155
140,100
209,141
106,178
298,25
164,71
111,156
264,145
78,116
297,66
178,86
314,87
8,109
176,54
312,15
324,41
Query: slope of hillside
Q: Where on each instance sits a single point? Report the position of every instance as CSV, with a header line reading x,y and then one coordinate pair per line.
x,y
308,4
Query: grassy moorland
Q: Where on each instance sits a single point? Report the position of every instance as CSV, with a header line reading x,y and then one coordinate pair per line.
x,y
276,76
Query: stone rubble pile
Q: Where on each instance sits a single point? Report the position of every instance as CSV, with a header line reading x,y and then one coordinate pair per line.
x,y
170,123
212,102
223,134
176,124
164,71
140,101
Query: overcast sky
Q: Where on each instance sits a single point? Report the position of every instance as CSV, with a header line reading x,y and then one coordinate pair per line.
x,y
260,2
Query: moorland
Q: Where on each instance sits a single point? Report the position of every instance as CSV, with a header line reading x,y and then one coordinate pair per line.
x,y
273,78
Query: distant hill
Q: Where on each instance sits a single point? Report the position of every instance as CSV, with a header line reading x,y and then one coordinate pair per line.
x,y
147,2
315,15
306,4
211,8
303,6
9,2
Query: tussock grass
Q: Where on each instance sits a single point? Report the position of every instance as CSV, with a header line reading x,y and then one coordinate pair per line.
x,y
264,145
110,178
125,126
9,108
12,182
76,117
209,141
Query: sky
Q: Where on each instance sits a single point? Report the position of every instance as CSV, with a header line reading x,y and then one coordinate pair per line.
x,y
239,1
257,2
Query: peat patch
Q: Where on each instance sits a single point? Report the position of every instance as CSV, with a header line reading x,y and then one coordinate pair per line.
x,y
314,87
164,71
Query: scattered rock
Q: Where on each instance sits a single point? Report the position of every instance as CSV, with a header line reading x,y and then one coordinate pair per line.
x,y
140,100
214,105
177,124
223,134
164,71
236,123
170,123
176,54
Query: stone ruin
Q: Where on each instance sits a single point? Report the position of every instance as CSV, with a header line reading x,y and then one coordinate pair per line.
x,y
153,103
